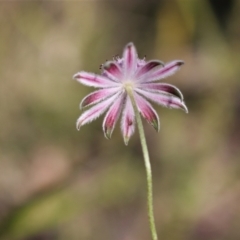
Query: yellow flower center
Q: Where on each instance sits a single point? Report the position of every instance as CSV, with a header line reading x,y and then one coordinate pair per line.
x,y
128,85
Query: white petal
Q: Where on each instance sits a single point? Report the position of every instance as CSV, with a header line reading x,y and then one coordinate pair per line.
x,y
164,100
128,121
96,111
113,71
112,116
98,96
94,80
147,111
129,60
159,73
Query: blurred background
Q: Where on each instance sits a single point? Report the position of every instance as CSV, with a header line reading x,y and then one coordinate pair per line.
x,y
57,183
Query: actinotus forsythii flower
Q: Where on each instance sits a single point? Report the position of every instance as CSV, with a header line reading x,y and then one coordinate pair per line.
x,y
117,77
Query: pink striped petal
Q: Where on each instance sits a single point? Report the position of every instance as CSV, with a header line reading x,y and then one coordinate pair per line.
x,y
95,112
148,66
162,87
94,80
98,96
164,100
128,121
112,71
112,116
147,111
129,60
160,73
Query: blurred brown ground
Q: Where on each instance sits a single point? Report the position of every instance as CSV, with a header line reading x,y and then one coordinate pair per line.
x,y
57,183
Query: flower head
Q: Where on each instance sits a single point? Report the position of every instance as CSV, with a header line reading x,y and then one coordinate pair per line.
x,y
121,76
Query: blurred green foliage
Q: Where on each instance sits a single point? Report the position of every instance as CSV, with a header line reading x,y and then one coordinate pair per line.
x,y
57,183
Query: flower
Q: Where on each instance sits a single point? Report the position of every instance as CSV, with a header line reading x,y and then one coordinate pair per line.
x,y
120,76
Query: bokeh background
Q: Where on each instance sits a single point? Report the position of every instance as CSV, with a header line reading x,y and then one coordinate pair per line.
x,y
57,183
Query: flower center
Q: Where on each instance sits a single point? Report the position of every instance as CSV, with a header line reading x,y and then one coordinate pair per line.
x,y
128,85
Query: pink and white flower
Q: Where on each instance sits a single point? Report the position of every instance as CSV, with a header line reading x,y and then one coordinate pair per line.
x,y
112,97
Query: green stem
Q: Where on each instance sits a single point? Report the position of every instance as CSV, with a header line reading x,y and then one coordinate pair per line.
x,y
147,165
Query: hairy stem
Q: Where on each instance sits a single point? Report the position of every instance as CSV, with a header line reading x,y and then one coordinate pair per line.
x,y
147,166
